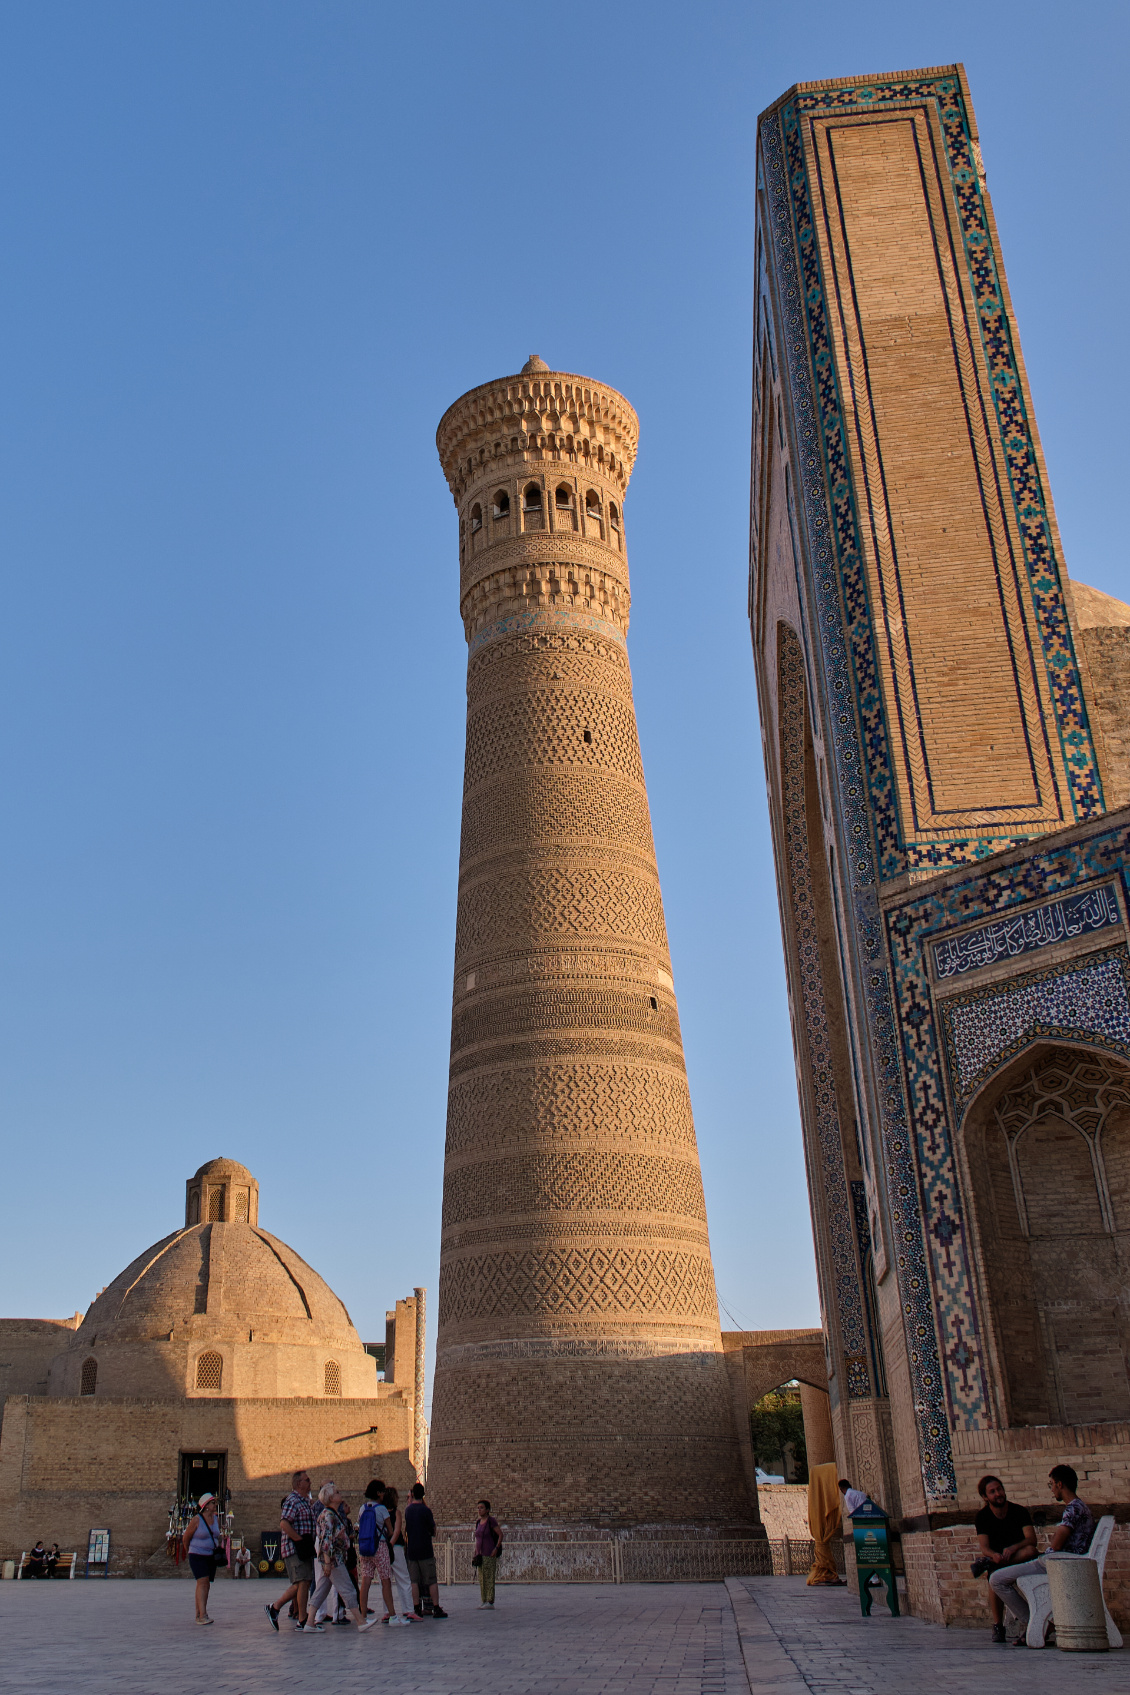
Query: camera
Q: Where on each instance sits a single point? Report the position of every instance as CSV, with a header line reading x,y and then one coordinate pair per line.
x,y
981,1566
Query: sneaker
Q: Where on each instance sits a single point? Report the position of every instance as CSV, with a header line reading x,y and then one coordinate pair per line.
x,y
308,1627
366,1624
273,1614
204,1621
999,1633
398,1619
438,1612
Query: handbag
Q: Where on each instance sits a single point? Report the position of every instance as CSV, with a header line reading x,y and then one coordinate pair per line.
x,y
476,1559
219,1552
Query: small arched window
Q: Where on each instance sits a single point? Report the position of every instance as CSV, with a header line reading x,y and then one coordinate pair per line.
x,y
532,498
194,1207
333,1378
476,517
563,498
89,1377
613,514
215,1206
502,504
210,1372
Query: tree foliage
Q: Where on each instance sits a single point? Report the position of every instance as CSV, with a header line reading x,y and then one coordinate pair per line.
x,y
774,1421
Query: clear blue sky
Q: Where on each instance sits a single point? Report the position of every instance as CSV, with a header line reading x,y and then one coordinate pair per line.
x,y
251,251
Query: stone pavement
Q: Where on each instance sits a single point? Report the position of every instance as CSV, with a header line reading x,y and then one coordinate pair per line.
x,y
771,1636
798,1640
138,1638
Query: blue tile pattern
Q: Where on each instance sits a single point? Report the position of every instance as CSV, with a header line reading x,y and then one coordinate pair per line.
x,y
1087,1002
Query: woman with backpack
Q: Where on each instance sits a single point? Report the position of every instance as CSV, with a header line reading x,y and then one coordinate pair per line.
x,y
373,1559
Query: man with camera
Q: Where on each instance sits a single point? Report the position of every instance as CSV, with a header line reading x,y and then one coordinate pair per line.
x,y
1006,1536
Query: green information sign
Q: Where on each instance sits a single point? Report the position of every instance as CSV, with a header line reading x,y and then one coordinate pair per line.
x,y
870,1534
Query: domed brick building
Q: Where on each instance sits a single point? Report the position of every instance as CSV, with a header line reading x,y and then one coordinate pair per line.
x,y
217,1359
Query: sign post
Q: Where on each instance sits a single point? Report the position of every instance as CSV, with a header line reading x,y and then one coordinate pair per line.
x,y
98,1553
871,1538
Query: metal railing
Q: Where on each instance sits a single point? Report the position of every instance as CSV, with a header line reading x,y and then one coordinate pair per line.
x,y
635,1560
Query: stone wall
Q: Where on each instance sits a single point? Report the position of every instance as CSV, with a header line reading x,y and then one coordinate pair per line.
x,y
27,1347
68,1464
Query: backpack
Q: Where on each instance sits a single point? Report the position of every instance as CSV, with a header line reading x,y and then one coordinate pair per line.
x,y
368,1531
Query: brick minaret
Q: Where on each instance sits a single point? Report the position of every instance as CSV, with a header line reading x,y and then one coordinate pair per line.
x,y
579,1377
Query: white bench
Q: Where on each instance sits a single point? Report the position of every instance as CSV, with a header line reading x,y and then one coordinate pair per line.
x,y
1037,1592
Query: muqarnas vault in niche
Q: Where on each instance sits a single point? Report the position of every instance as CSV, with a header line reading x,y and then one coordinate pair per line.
x,y
946,735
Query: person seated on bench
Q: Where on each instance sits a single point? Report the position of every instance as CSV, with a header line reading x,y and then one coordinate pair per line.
x,y
1005,1536
1072,1535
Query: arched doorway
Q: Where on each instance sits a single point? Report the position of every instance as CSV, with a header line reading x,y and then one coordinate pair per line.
x,y
1047,1173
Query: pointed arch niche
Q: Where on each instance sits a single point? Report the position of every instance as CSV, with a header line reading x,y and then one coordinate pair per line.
x,y
1046,1170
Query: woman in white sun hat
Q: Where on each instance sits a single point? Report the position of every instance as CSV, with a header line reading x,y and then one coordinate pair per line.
x,y
203,1545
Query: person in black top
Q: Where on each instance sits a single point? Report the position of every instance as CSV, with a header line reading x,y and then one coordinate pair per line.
x,y
419,1528
1006,1537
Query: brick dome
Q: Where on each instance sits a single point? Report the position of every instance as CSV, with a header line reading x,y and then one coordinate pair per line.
x,y
223,1291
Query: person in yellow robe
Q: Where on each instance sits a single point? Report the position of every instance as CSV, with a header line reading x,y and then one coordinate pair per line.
x,y
824,1522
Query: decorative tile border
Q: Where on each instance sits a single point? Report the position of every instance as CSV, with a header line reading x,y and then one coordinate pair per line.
x,y
1027,931
845,1293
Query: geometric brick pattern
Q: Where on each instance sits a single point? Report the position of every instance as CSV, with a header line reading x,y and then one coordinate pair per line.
x,y
549,804
565,727
566,1182
582,1281
570,1100
545,901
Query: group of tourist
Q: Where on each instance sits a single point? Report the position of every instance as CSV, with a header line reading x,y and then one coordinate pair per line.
x,y
1007,1539
325,1553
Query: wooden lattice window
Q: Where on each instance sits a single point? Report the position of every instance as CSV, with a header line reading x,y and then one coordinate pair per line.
x,y
209,1372
333,1378
89,1377
242,1199
215,1206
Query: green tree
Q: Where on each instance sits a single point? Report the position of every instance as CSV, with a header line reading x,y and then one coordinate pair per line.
x,y
774,1421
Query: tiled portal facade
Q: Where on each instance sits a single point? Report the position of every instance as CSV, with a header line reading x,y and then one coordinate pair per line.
x,y
947,783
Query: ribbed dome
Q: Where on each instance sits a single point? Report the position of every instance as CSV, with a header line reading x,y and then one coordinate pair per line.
x,y
220,1307
227,1271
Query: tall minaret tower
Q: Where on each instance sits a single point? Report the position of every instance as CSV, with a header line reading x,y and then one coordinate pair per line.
x,y
579,1376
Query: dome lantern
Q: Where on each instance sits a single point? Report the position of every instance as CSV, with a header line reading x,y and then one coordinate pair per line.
x,y
221,1192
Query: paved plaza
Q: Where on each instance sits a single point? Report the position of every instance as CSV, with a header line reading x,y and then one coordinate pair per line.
x,y
768,1636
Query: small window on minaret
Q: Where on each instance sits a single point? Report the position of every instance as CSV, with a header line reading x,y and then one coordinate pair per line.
x,y
533,498
564,498
476,518
588,737
654,1004
502,504
614,514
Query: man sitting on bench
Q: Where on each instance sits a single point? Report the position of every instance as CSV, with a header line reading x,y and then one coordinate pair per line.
x,y
1072,1535
1006,1536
